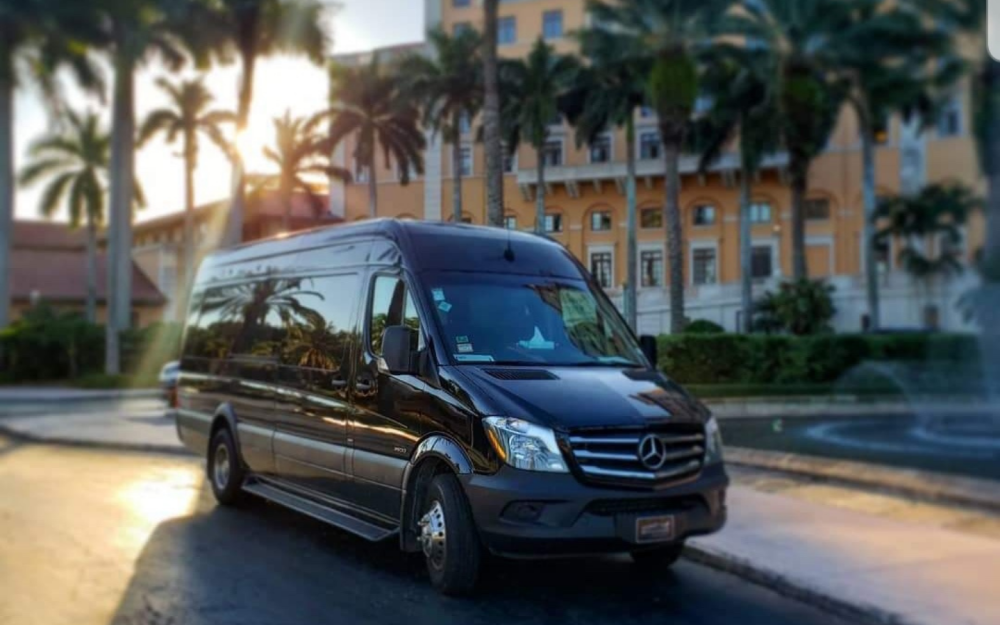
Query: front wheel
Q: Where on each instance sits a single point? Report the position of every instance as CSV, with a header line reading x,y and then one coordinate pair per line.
x,y
225,472
448,537
658,558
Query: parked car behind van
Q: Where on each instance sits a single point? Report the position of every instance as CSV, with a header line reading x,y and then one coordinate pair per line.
x,y
456,388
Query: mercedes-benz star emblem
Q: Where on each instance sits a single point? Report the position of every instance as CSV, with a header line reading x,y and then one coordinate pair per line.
x,y
652,452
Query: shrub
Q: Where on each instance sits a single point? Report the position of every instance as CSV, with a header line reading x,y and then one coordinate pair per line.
x,y
46,344
801,308
703,326
821,359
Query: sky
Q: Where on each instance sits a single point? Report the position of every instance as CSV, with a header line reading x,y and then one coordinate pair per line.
x,y
281,84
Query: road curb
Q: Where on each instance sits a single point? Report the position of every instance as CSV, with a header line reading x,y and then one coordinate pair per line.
x,y
23,437
62,395
924,485
788,587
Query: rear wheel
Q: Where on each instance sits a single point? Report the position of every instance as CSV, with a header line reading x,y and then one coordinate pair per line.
x,y
448,537
658,558
225,472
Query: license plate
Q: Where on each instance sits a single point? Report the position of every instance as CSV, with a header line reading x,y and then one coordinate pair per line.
x,y
654,529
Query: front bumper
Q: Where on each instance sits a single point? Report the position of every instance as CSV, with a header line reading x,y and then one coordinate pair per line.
x,y
538,514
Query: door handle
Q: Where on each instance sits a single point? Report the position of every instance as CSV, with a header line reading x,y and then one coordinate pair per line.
x,y
363,386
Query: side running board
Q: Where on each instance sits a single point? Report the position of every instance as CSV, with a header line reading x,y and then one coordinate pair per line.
x,y
318,511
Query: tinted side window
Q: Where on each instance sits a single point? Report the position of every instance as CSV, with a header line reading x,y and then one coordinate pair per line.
x,y
391,306
319,324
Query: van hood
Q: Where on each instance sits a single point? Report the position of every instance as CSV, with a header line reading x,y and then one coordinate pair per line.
x,y
583,397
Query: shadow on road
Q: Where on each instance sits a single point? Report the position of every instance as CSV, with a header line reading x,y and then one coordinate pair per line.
x,y
263,564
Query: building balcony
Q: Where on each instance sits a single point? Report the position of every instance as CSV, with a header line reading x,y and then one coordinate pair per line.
x,y
575,177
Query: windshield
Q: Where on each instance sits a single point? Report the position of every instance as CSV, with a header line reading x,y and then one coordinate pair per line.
x,y
521,320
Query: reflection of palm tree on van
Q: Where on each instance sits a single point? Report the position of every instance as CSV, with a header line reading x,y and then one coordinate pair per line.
x,y
314,344
251,303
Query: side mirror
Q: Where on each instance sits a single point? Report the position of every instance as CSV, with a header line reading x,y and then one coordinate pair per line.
x,y
650,349
397,349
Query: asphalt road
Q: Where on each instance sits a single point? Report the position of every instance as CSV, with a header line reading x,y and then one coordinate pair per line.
x,y
91,537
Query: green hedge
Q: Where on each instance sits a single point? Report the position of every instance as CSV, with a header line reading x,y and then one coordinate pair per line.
x,y
823,359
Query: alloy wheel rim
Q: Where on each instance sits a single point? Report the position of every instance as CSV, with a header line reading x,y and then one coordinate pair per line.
x,y
433,534
220,470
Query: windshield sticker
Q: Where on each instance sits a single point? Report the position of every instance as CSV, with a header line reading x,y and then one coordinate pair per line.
x,y
537,342
465,348
461,339
473,358
444,307
438,295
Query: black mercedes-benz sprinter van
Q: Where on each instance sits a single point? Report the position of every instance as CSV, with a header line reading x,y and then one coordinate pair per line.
x,y
453,387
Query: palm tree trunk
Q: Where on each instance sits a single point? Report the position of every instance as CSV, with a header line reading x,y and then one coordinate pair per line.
x,y
868,226
285,198
372,187
6,179
540,192
987,315
188,276
632,270
675,234
456,170
119,286
237,207
491,118
91,310
800,177
746,245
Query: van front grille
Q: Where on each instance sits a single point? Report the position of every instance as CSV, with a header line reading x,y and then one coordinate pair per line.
x,y
641,458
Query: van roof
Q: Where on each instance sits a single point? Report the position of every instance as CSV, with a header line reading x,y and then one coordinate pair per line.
x,y
425,245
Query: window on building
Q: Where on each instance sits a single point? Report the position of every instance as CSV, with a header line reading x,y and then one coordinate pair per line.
x,y
650,218
817,209
949,122
650,147
646,112
461,4
510,222
704,266
553,153
760,213
761,262
552,24
553,222
509,162
883,254
507,30
704,215
465,219
360,173
466,161
651,268
461,27
600,221
600,268
464,123
600,150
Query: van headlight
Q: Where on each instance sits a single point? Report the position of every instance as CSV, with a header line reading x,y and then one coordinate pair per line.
x,y
713,442
524,445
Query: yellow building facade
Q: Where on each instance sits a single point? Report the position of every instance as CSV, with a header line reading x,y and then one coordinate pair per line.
x,y
586,209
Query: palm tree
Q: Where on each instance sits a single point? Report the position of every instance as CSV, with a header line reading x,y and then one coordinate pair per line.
x,y
299,150
491,117
371,104
606,94
260,28
742,104
890,68
187,117
36,37
450,86
928,227
807,41
532,90
671,33
76,165
134,31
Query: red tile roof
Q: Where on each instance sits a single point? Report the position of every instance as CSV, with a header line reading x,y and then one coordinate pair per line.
x,y
47,235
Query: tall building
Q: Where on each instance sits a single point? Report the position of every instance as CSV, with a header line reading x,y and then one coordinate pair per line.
x,y
586,208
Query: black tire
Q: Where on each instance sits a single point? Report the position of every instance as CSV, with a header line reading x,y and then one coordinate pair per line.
x,y
658,558
455,569
226,484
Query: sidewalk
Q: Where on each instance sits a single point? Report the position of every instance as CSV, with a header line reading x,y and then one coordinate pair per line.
x,y
868,568
57,394
857,564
